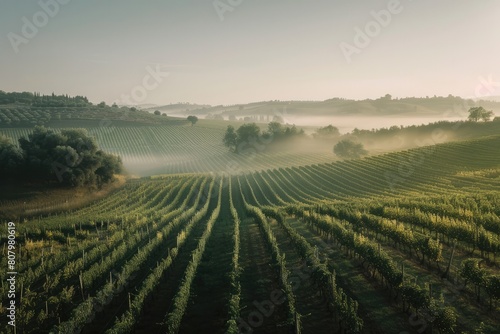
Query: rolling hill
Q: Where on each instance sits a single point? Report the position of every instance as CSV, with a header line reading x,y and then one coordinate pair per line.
x,y
377,238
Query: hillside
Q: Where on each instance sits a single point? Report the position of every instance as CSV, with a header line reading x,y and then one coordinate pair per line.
x,y
29,109
177,108
371,234
178,147
16,115
384,106
149,150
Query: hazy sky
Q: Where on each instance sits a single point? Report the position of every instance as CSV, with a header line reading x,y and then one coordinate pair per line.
x,y
248,50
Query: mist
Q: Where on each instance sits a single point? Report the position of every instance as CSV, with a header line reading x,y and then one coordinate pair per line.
x,y
348,123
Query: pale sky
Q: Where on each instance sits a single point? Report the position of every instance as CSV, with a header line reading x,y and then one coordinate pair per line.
x,y
261,50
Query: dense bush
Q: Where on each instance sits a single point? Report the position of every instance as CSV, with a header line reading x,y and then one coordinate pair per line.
x,y
70,157
348,149
11,158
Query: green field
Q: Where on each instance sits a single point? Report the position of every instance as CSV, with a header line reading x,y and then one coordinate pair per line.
x,y
296,245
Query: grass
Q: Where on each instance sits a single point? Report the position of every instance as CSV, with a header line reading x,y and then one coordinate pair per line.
x,y
41,199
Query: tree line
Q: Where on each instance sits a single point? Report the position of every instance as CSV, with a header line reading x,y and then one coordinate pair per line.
x,y
250,135
38,100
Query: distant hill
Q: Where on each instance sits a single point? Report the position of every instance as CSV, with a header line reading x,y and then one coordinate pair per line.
x,y
29,109
384,106
177,108
488,99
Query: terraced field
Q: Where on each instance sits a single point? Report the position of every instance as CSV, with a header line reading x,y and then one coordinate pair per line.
x,y
402,242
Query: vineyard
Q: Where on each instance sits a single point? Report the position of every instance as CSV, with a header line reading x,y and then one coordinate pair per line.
x,y
147,150
177,147
18,115
402,242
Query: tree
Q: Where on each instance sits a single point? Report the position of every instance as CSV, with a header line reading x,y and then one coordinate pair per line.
x,y
157,112
275,129
11,159
247,136
192,119
348,149
230,138
479,113
232,118
327,132
248,132
71,157
293,131
102,104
